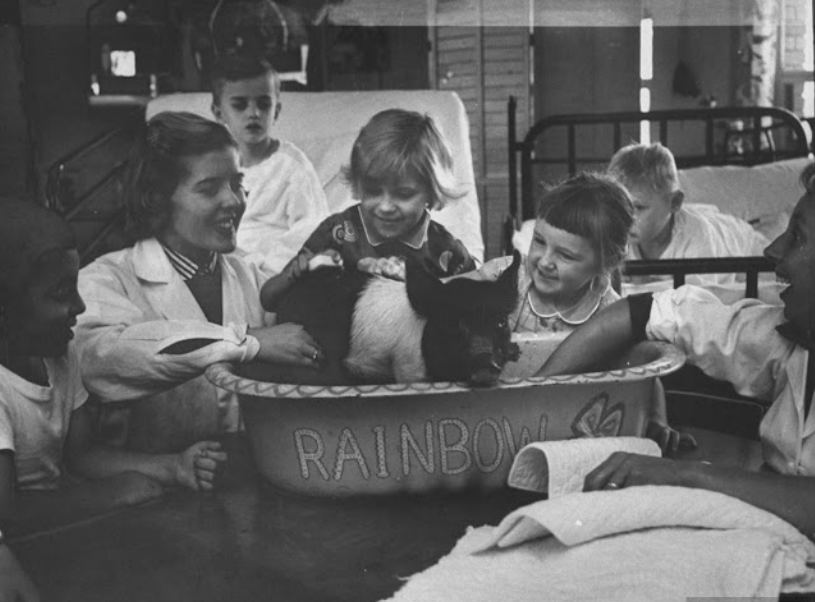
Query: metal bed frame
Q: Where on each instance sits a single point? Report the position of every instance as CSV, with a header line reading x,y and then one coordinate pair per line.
x,y
762,126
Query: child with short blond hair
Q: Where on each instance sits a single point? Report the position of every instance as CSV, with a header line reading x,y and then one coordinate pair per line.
x,y
400,169
666,227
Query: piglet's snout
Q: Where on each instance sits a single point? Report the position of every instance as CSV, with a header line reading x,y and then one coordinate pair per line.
x,y
485,367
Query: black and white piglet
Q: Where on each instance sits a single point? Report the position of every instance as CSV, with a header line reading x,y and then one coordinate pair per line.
x,y
374,329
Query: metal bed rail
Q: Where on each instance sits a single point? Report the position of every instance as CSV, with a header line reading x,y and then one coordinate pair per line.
x,y
680,268
759,121
57,186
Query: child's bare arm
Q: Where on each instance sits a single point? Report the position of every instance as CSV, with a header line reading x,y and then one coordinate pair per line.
x,y
193,468
276,287
608,332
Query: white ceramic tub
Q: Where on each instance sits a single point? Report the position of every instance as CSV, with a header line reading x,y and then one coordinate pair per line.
x,y
425,437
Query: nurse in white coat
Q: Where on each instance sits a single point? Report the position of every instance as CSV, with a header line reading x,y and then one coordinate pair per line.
x,y
162,311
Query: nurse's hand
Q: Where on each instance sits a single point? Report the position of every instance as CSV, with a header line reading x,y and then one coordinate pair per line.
x,y
287,344
627,470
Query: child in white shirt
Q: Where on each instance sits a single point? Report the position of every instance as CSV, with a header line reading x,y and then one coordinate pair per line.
x,y
667,228
285,199
45,424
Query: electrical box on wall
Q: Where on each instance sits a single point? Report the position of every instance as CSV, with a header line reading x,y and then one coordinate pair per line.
x,y
130,49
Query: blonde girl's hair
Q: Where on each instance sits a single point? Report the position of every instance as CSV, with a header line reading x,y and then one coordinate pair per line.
x,y
652,165
158,163
395,144
595,207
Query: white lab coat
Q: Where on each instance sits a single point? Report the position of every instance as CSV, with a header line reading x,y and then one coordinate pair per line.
x,y
739,343
137,306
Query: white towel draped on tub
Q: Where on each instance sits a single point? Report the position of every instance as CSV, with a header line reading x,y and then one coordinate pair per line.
x,y
560,467
639,543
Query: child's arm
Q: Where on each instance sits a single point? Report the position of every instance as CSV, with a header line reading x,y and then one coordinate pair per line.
x,y
606,333
193,468
276,287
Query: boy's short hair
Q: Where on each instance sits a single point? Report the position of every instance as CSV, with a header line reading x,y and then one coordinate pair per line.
x,y
650,164
157,165
235,68
595,207
28,232
397,143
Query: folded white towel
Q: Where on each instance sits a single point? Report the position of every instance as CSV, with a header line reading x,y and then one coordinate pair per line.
x,y
648,543
560,467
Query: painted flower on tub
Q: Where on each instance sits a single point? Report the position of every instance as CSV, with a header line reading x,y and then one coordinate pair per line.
x,y
597,419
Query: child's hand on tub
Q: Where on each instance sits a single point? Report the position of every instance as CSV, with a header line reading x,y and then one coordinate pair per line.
x,y
197,465
670,440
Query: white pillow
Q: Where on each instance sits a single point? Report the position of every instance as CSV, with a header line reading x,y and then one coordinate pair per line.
x,y
761,192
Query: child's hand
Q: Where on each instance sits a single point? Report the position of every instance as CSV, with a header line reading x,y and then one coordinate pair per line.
x,y
389,267
298,265
669,439
330,258
197,465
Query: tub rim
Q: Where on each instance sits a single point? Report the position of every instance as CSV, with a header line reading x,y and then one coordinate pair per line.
x,y
223,375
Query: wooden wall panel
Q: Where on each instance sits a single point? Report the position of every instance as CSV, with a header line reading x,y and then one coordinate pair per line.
x,y
486,61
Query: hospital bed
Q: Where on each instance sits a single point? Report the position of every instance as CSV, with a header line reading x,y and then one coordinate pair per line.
x,y
744,160
323,125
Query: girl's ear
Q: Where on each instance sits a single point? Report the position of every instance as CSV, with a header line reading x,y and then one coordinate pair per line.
x,y
216,111
277,108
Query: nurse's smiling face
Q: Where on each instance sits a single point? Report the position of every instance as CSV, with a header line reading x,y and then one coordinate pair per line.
x,y
206,206
794,255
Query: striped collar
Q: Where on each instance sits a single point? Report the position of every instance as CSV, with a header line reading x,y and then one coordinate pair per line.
x,y
186,267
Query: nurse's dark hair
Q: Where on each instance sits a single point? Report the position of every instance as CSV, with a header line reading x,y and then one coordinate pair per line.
x,y
158,162
808,179
595,207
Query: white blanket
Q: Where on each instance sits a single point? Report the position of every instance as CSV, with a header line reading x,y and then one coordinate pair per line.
x,y
641,543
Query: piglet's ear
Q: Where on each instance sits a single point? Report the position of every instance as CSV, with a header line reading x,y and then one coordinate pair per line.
x,y
424,290
508,280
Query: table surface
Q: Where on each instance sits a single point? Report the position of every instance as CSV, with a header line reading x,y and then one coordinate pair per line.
x,y
249,542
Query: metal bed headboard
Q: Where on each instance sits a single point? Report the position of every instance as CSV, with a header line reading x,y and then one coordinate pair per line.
x,y
760,122
95,210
